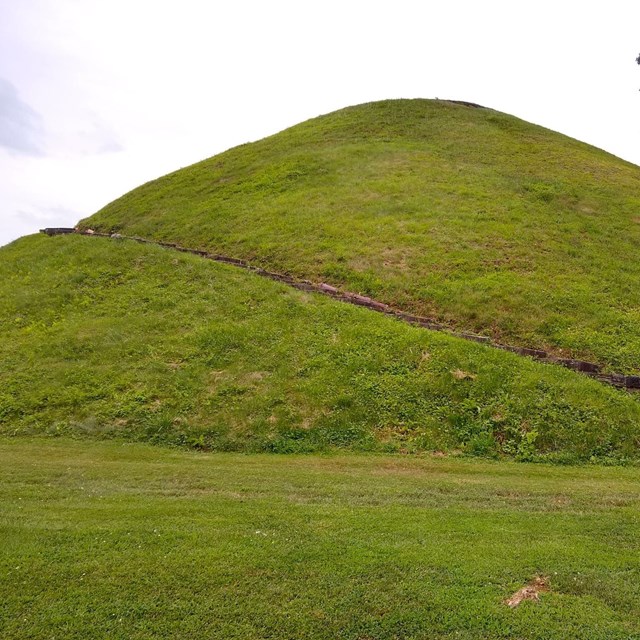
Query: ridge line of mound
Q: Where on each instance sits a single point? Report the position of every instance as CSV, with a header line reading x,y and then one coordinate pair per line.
x,y
590,369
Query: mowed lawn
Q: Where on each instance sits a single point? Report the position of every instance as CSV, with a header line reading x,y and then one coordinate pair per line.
x,y
113,540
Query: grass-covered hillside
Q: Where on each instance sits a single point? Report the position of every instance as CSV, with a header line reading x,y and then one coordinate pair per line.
x,y
112,338
465,214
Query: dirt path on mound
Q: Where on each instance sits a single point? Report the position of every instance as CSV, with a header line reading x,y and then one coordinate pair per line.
x,y
590,369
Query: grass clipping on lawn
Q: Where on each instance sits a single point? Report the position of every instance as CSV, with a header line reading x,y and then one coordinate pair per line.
x,y
531,591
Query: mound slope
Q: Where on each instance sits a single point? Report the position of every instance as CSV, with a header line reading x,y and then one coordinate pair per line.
x,y
467,215
117,339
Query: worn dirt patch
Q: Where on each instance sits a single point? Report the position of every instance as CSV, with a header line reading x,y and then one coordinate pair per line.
x,y
459,374
531,591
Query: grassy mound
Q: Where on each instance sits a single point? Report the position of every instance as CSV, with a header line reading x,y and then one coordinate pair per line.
x,y
116,339
471,216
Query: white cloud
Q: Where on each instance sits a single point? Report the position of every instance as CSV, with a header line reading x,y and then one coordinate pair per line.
x,y
20,126
84,134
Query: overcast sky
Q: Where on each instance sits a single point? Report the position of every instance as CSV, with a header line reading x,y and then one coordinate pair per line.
x,y
98,96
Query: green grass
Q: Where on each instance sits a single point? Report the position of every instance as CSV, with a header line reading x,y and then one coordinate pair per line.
x,y
113,540
471,216
112,339
468,215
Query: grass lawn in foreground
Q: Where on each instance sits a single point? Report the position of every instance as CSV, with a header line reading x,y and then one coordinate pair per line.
x,y
113,540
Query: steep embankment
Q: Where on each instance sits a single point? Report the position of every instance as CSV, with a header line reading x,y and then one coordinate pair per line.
x,y
470,216
116,339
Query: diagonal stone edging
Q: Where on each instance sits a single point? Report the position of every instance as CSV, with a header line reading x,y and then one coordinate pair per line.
x,y
588,368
